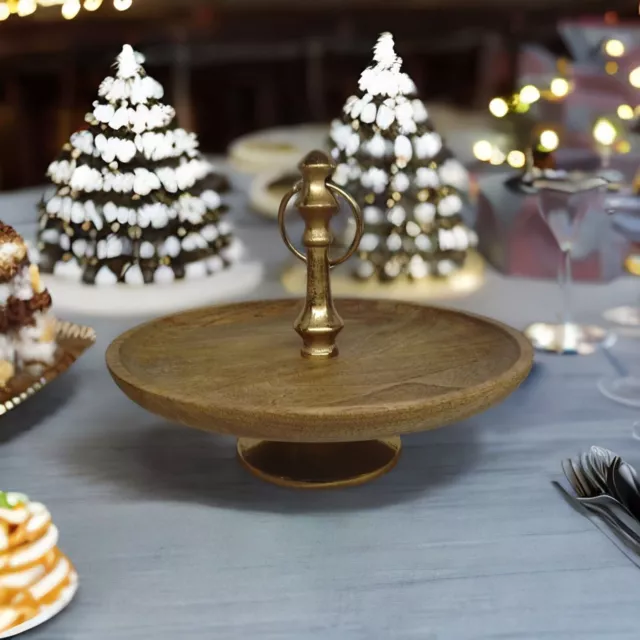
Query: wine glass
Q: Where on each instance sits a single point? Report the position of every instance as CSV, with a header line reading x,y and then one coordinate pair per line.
x,y
625,218
563,203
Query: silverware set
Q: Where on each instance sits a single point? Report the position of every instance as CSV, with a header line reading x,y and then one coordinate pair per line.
x,y
608,488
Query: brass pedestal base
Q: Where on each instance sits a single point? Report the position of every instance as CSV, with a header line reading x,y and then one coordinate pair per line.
x,y
319,465
462,283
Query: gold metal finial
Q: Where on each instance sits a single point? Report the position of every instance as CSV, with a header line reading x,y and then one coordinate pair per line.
x,y
319,323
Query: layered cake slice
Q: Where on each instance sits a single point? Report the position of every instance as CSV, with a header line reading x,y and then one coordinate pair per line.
x,y
27,326
36,579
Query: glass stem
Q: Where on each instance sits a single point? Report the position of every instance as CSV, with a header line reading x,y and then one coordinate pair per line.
x,y
567,281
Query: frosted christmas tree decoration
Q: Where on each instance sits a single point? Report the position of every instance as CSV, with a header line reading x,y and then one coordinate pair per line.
x,y
133,199
396,166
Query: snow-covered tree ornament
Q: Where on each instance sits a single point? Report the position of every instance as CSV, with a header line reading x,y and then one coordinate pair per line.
x,y
134,201
410,187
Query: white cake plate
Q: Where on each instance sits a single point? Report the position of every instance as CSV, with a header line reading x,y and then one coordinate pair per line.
x,y
153,299
265,201
277,148
47,612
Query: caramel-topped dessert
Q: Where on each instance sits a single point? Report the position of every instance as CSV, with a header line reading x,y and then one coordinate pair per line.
x,y
27,326
34,574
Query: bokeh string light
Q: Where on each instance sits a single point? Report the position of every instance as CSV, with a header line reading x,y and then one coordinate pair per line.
x,y
68,8
548,140
614,48
518,104
625,112
559,87
609,134
26,7
604,132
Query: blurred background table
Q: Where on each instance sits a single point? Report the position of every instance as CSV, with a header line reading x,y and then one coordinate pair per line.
x,y
234,66
464,540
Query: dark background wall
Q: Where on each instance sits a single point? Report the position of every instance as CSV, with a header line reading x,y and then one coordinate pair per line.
x,y
234,66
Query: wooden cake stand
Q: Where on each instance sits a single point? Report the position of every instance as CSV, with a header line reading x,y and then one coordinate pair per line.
x,y
319,420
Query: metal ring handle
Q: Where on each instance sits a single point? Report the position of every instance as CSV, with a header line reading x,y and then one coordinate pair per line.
x,y
357,213
281,224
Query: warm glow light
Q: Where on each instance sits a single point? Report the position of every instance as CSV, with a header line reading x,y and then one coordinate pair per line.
x,y
498,107
604,132
529,94
549,140
625,112
516,159
611,67
614,48
634,78
482,150
559,87
70,9
610,17
623,146
497,157
26,7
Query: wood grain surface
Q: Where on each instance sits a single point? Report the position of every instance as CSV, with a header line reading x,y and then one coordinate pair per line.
x,y
236,369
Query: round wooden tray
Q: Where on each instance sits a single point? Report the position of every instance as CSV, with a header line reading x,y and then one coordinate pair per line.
x,y
237,370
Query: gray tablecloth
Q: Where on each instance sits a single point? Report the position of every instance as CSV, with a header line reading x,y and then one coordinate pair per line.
x,y
465,539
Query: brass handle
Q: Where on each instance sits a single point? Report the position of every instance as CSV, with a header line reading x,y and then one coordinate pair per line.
x,y
357,214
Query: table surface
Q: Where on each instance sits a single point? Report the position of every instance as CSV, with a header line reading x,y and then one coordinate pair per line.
x,y
465,539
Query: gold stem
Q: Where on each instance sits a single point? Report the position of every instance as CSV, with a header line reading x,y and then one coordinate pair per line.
x,y
318,323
